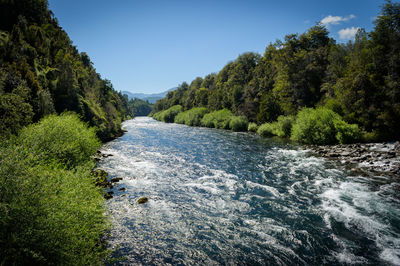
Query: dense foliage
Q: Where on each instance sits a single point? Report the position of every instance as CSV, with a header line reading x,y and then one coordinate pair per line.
x,y
56,138
217,119
191,117
168,115
41,73
238,123
252,127
358,80
282,127
323,126
50,214
136,107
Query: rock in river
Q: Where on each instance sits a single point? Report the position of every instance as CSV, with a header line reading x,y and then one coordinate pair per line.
x,y
142,200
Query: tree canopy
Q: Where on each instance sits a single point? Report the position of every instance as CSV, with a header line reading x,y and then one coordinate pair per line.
x,y
42,72
359,80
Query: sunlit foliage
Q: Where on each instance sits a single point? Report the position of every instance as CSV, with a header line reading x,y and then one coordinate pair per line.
x,y
358,80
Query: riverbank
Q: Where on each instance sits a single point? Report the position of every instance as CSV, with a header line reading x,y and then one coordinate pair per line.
x,y
368,159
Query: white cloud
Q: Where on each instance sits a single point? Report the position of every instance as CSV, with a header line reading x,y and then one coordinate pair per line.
x,y
334,20
348,33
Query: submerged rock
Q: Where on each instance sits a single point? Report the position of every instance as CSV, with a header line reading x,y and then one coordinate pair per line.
x,y
122,189
142,200
115,179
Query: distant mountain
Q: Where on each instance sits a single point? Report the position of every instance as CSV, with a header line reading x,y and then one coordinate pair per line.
x,y
150,97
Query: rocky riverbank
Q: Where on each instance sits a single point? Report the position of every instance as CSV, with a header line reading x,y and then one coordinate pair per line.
x,y
376,159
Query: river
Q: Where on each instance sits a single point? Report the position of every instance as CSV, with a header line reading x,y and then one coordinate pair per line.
x,y
220,197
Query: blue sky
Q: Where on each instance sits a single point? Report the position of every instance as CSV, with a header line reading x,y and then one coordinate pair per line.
x,y
153,45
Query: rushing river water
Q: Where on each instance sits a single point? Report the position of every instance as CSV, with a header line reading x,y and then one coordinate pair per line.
x,y
219,197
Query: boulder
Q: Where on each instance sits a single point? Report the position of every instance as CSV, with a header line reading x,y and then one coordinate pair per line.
x,y
142,200
115,179
108,196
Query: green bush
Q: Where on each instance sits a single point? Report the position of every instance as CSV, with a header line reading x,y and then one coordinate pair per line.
x,y
207,121
284,126
347,133
191,117
252,127
64,138
373,136
238,123
217,119
267,130
50,215
334,105
168,116
323,126
170,113
158,115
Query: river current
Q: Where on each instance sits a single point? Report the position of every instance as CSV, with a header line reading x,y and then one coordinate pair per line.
x,y
218,197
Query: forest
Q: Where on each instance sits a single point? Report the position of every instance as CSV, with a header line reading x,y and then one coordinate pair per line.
x,y
42,73
358,81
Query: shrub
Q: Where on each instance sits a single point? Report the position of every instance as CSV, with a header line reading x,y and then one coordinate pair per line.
x,y
284,125
50,215
170,113
252,127
191,117
347,133
158,115
217,119
334,105
207,121
238,123
323,126
63,138
373,136
281,128
267,130
315,126
168,116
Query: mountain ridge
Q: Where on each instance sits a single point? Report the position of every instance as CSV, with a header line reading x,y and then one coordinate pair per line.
x,y
150,97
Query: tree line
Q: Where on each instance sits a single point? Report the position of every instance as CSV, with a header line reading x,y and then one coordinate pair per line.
x,y
359,80
42,72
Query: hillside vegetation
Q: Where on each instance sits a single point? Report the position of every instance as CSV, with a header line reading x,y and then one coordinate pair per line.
x,y
358,81
42,72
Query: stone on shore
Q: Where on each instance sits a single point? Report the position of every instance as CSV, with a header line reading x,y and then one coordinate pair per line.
x,y
367,158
